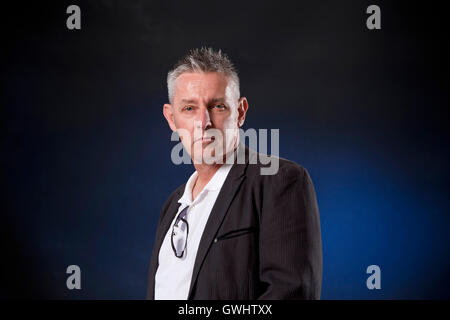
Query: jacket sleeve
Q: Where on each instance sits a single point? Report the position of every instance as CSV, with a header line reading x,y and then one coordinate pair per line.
x,y
290,245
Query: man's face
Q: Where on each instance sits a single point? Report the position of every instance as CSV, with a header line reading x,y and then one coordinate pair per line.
x,y
206,114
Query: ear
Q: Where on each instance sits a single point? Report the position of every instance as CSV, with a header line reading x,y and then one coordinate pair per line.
x,y
242,109
168,114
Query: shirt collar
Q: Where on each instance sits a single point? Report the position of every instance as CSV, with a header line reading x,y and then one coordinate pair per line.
x,y
214,184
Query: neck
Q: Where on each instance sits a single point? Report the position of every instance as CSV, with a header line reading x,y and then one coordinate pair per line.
x,y
206,172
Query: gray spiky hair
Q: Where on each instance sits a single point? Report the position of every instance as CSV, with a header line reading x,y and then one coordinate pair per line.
x,y
203,60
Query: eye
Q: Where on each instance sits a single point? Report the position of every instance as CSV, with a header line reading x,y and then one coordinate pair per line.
x,y
188,108
220,107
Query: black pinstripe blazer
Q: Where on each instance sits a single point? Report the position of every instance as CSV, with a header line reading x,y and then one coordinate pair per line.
x,y
261,241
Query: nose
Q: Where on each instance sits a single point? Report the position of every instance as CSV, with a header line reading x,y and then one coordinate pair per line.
x,y
204,118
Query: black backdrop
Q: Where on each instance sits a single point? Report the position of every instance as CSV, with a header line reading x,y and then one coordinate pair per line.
x,y
86,151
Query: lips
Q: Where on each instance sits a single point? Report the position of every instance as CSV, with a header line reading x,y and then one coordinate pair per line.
x,y
205,139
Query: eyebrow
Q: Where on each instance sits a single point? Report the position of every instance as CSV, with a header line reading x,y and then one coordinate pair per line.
x,y
188,101
215,100
194,101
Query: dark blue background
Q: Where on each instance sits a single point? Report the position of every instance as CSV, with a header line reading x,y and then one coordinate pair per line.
x,y
86,150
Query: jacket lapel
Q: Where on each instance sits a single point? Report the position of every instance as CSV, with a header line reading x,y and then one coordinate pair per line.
x,y
218,213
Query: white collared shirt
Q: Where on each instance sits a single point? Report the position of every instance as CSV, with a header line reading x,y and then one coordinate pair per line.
x,y
173,276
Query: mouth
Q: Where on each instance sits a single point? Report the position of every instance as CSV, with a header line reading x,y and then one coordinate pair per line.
x,y
205,140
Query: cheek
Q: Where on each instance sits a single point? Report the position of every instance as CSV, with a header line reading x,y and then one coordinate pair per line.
x,y
181,123
230,121
178,120
184,129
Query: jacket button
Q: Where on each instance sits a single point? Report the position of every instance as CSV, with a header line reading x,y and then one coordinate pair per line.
x,y
215,240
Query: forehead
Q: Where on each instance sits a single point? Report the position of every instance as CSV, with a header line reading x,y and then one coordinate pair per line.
x,y
200,85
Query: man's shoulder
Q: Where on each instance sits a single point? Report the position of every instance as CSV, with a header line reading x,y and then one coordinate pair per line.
x,y
285,168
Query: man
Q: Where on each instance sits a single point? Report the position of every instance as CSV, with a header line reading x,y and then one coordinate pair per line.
x,y
230,232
